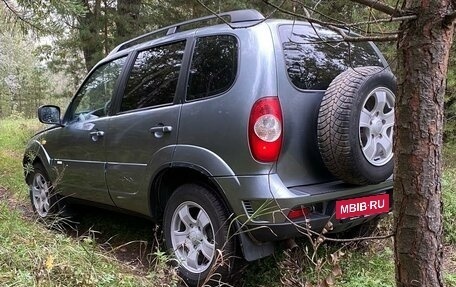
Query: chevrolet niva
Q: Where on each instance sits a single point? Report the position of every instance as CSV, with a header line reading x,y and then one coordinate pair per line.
x,y
234,136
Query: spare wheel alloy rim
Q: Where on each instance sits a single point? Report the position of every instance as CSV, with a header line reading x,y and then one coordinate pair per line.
x,y
376,123
192,236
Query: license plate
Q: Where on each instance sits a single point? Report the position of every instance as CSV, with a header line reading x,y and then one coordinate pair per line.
x,y
362,206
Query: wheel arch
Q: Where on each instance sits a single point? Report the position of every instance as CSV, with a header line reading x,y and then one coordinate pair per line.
x,y
168,179
34,154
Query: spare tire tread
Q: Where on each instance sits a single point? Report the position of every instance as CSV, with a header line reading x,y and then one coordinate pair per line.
x,y
334,127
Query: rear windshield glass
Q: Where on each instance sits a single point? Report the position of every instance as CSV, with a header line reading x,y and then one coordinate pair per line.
x,y
313,58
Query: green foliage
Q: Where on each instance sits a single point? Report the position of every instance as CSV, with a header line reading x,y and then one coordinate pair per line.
x,y
263,272
64,63
34,15
449,194
450,280
31,255
23,83
354,268
450,101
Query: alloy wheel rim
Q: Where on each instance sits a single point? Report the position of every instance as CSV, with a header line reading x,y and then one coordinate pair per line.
x,y
192,236
40,195
376,123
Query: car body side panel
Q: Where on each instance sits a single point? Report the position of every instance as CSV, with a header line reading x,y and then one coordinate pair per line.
x,y
37,152
77,161
134,153
201,159
220,123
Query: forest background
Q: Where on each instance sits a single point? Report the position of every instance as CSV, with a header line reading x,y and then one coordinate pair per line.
x,y
47,47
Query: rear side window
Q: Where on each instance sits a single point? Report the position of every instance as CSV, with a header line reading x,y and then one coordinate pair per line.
x,y
153,78
314,59
214,66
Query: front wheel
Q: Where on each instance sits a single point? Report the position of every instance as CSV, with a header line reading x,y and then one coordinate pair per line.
x,y
42,195
196,230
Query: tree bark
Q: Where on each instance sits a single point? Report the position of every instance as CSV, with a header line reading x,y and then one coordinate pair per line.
x,y
127,19
89,33
423,50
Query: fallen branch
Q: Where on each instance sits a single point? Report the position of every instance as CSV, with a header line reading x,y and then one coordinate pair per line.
x,y
382,7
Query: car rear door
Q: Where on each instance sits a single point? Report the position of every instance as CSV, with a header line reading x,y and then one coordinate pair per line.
x,y
143,135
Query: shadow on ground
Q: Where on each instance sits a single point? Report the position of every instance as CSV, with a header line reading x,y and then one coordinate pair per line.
x,y
131,239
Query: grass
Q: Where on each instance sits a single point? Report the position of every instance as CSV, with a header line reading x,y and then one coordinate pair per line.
x,y
14,135
33,255
449,194
369,268
360,265
108,249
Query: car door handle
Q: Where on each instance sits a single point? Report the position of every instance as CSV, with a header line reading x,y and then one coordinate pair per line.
x,y
160,130
96,135
163,129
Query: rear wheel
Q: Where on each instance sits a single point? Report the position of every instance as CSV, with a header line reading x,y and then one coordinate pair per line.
x,y
196,232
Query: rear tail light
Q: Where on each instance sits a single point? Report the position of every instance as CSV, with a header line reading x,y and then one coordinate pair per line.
x,y
265,129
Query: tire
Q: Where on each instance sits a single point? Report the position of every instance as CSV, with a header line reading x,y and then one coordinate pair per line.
x,y
45,202
202,223
355,125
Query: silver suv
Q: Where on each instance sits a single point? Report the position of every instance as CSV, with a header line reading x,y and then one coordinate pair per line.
x,y
235,136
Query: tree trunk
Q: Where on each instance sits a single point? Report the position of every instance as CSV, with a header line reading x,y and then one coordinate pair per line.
x,y
423,50
89,34
127,19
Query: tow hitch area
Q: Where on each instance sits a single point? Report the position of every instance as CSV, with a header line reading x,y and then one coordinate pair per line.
x,y
362,206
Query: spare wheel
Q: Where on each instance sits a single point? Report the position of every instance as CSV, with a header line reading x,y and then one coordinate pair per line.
x,y
355,125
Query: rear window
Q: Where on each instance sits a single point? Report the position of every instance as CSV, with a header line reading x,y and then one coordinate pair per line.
x,y
313,58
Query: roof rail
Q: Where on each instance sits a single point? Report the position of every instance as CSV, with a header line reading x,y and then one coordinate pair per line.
x,y
234,17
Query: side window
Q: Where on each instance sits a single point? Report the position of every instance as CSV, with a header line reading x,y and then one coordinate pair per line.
x,y
153,78
214,66
94,97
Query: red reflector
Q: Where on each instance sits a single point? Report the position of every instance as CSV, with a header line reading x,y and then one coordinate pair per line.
x,y
298,212
362,206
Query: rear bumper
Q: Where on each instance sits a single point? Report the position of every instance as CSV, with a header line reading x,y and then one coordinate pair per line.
x,y
263,202
292,229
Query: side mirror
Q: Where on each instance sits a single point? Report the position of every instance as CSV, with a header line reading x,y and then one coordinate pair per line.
x,y
49,114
